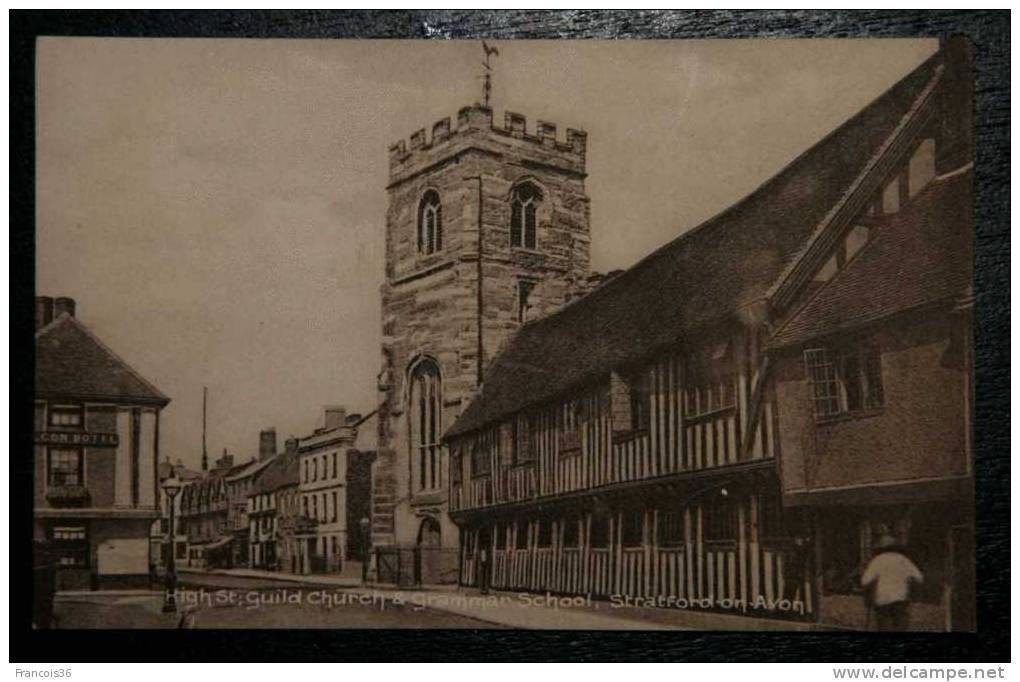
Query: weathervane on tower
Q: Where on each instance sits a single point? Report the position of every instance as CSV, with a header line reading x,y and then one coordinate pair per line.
x,y
489,51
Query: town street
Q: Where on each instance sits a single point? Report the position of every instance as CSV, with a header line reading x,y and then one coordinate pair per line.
x,y
241,598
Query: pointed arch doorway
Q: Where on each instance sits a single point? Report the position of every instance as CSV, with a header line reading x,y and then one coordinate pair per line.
x,y
428,552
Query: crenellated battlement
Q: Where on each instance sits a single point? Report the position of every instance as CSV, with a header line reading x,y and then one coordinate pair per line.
x,y
422,148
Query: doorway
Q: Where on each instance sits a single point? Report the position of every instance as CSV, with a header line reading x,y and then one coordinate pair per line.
x,y
428,552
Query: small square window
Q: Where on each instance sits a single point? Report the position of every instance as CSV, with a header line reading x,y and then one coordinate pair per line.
x,y
720,520
67,416
65,467
846,378
71,546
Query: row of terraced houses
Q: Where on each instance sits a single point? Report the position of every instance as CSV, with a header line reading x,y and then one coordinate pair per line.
x,y
295,510
730,424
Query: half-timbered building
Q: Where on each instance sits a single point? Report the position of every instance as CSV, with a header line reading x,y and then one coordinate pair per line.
x,y
628,446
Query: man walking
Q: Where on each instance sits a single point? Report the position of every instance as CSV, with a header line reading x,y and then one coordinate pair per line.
x,y
887,581
795,568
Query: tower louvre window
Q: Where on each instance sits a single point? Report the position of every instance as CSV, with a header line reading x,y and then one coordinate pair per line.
x,y
430,224
523,216
426,426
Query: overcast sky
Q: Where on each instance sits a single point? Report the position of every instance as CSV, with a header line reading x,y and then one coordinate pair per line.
x,y
217,207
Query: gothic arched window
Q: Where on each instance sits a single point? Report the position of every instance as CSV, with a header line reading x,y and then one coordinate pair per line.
x,y
426,403
430,223
523,215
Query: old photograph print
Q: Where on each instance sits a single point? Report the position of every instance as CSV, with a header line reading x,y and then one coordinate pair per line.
x,y
584,335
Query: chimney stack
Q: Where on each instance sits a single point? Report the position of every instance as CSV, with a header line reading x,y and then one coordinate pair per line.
x,y
336,415
63,305
43,311
291,445
224,462
267,443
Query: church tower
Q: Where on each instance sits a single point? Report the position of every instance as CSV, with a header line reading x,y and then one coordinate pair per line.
x,y
487,228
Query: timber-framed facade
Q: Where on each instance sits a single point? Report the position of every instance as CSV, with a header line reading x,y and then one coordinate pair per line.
x,y
631,445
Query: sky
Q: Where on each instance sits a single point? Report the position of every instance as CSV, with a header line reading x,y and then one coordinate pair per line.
x,y
217,207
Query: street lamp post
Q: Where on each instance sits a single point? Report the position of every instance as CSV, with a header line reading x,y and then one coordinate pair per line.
x,y
171,487
363,524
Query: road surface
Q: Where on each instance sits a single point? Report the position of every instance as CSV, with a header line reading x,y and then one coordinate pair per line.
x,y
225,601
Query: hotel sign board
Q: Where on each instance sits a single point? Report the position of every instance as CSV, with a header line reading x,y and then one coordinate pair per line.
x,y
108,440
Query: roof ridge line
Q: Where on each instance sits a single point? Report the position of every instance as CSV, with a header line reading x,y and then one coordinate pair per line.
x,y
883,232
89,333
50,326
717,218
827,284
855,185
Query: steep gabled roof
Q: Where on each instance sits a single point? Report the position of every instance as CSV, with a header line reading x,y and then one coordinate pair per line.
x,y
71,361
702,277
921,256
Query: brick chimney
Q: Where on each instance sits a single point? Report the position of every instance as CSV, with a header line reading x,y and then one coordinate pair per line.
x,y
267,443
291,445
43,311
336,415
63,305
225,462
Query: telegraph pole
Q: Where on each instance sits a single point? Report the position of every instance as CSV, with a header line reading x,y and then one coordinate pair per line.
x,y
205,453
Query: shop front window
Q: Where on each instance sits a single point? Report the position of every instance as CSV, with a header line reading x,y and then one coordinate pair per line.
x,y
71,546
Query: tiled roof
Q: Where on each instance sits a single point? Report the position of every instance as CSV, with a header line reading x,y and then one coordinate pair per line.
x,y
283,471
251,468
71,361
702,277
328,436
921,256
165,469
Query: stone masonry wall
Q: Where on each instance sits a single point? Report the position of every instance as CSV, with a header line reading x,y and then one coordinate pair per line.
x,y
430,303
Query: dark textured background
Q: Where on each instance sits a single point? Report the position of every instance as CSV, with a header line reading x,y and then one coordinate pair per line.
x,y
989,32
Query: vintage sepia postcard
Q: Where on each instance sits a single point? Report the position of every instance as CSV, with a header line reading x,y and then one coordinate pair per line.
x,y
573,335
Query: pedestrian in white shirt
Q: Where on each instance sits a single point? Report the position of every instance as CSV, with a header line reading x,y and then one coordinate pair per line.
x,y
887,579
